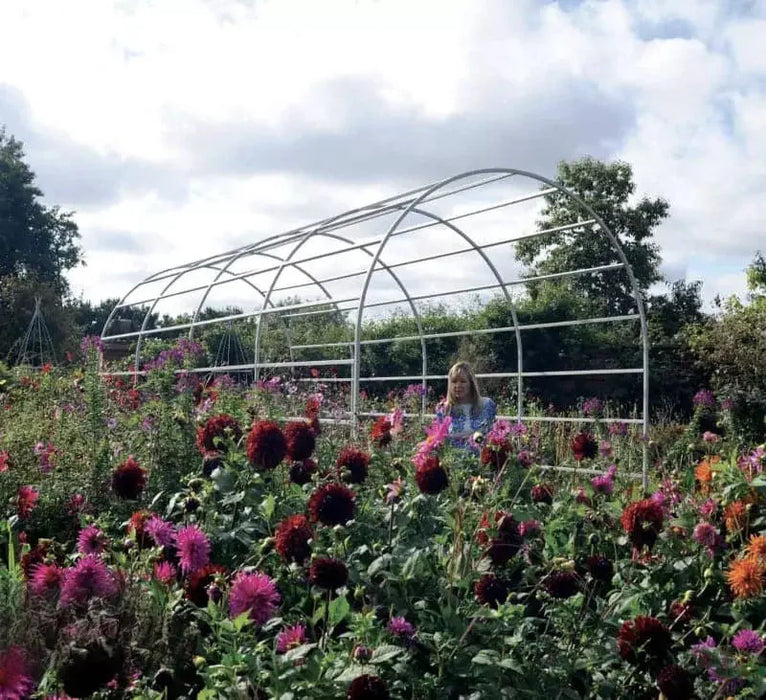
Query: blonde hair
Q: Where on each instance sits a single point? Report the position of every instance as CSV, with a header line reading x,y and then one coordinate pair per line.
x,y
465,369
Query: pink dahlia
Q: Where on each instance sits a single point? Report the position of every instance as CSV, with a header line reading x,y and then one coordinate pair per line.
x,y
15,681
255,592
91,540
193,548
26,500
291,637
165,572
400,627
46,580
748,642
161,531
88,578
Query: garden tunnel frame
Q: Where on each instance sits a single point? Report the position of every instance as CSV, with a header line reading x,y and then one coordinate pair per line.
x,y
282,253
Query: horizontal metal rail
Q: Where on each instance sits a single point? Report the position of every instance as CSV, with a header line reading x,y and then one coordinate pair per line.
x,y
357,246
493,375
231,317
530,419
479,331
510,283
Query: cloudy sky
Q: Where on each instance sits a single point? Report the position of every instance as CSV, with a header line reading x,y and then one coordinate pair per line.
x,y
176,129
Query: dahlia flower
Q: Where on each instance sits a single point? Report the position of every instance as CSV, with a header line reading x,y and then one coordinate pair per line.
x,y
745,577
91,540
291,637
542,493
367,687
675,683
129,479
214,432
136,527
292,537
748,642
584,446
266,445
15,681
25,501
704,398
300,472
196,589
193,548
300,440
600,568
642,522
46,580
400,627
491,590
88,578
165,572
431,476
161,531
561,584
328,573
332,504
645,635
255,592
380,432
353,465
529,528
604,483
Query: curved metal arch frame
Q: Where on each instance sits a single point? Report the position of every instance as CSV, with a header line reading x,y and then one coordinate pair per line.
x,y
407,203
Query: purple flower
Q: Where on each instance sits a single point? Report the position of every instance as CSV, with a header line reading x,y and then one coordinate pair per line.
x,y
91,540
702,651
529,528
519,429
88,578
146,424
605,449
255,592
395,490
111,423
604,483
748,642
708,508
704,398
705,534
707,436
291,637
193,548
91,342
620,428
526,458
592,407
161,531
399,627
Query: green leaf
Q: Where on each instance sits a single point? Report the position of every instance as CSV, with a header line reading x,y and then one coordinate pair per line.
x,y
339,609
268,506
378,564
297,653
242,620
385,653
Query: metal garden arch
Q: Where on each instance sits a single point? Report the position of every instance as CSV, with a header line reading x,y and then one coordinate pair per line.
x,y
317,257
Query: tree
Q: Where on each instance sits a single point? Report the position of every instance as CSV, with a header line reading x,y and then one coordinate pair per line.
x,y
607,189
35,240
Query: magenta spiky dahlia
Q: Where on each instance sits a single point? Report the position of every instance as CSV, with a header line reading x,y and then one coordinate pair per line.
x,y
193,548
255,592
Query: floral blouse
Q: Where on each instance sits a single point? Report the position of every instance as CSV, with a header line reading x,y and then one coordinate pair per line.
x,y
466,420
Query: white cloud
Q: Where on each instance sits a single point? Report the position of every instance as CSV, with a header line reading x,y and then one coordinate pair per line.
x,y
187,127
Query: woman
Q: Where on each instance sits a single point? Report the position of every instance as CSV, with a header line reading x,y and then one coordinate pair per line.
x,y
468,409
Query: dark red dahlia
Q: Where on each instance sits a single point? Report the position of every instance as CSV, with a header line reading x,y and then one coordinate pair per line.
x,y
292,538
431,476
353,465
642,521
300,440
33,558
543,493
561,584
491,590
328,573
300,472
507,542
137,524
495,451
584,446
129,479
332,504
380,433
675,683
643,637
600,568
197,586
266,445
367,687
212,435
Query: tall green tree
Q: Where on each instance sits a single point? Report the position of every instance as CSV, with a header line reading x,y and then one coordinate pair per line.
x,y
608,189
35,240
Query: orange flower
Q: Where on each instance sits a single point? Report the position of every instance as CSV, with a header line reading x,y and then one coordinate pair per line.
x,y
736,516
756,548
745,577
703,472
